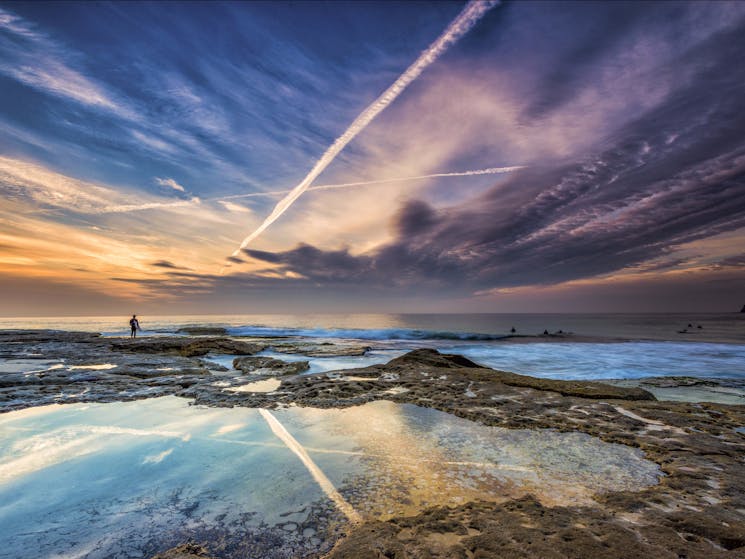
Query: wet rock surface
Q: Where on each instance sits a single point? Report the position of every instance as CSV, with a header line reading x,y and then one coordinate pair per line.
x,y
253,365
325,349
203,331
185,551
718,390
187,347
696,511
525,528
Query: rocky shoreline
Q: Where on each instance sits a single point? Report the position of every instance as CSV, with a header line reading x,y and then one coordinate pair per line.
x,y
697,509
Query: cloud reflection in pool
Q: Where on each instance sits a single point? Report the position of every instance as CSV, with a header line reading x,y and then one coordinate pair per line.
x,y
133,478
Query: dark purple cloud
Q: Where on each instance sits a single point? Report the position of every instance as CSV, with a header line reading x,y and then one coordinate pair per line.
x,y
164,264
669,175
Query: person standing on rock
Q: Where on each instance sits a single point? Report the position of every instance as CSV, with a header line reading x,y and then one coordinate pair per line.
x,y
135,325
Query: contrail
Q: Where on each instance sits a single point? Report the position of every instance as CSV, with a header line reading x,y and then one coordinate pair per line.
x,y
126,208
489,171
470,15
279,430
123,208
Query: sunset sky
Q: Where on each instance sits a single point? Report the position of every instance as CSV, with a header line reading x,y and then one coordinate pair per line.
x,y
141,143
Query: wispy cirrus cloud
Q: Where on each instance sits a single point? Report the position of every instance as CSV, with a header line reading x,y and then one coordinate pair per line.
x,y
170,183
233,207
35,59
36,186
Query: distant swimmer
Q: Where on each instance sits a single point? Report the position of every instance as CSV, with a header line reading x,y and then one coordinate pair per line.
x,y
545,332
512,330
135,325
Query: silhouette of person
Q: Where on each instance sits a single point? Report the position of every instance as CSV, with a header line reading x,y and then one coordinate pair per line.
x,y
135,325
512,330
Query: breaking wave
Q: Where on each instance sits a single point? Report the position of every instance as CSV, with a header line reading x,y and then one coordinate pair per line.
x,y
361,334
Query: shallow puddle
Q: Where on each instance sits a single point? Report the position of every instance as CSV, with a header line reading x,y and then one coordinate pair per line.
x,y
266,385
29,366
131,479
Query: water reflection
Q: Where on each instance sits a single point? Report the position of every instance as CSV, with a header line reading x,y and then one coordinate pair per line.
x,y
134,478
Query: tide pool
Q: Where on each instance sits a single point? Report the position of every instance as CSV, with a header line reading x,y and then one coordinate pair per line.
x,y
131,479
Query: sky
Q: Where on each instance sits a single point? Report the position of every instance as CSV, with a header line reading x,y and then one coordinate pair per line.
x,y
590,157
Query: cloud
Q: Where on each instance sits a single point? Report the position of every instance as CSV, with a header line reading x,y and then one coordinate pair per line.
x,y
164,264
414,218
33,184
232,207
29,182
461,25
624,144
170,183
671,176
38,61
734,261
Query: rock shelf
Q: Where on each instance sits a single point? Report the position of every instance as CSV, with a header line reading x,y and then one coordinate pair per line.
x,y
696,511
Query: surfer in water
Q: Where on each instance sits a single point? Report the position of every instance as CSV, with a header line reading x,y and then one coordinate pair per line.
x,y
135,325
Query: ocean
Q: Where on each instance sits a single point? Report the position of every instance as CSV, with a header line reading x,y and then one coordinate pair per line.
x,y
581,346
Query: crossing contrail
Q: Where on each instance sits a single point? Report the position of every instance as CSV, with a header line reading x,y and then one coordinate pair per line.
x,y
470,15
126,208
489,171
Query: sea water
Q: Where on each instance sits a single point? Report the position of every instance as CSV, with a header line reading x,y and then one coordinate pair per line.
x,y
624,345
131,479
720,327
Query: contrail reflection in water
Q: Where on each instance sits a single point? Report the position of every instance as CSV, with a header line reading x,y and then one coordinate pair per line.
x,y
279,430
